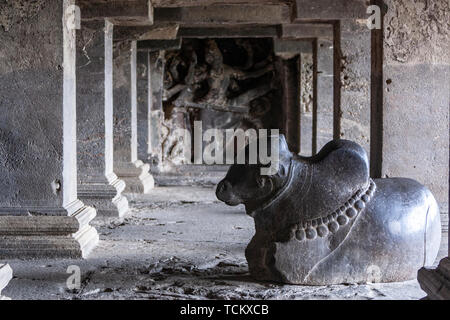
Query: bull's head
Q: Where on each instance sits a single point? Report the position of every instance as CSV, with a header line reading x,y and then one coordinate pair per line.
x,y
335,174
244,183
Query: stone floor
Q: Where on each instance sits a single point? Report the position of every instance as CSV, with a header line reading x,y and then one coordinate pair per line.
x,y
177,243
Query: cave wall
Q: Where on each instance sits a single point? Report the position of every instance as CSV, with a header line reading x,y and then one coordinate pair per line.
x,y
416,93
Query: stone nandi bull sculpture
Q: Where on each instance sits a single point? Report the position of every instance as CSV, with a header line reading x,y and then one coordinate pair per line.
x,y
322,220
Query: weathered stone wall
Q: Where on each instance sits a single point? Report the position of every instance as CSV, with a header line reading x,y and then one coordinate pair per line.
x,y
18,12
31,99
416,92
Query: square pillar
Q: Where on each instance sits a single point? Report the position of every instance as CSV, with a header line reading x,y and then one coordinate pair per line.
x,y
156,89
40,213
355,64
290,73
127,166
306,102
98,185
324,113
143,106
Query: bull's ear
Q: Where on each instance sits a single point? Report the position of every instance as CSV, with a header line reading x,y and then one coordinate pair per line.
x,y
285,154
283,144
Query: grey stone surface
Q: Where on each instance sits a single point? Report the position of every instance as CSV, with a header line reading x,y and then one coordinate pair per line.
x,y
330,10
127,166
123,12
436,282
178,243
306,102
355,82
416,135
229,32
38,140
156,67
223,13
157,45
98,185
322,220
416,93
325,93
307,31
143,106
289,75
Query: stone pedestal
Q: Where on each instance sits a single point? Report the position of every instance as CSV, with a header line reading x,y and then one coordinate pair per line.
x,y
127,166
436,282
98,185
40,213
5,276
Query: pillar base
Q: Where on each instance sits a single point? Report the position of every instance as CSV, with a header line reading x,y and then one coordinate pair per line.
x,y
136,176
5,276
27,236
436,282
105,196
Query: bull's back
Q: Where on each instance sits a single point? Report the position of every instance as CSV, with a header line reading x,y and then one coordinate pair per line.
x,y
394,236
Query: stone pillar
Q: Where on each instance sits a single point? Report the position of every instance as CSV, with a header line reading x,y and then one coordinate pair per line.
x,y
40,214
415,94
143,106
289,69
355,82
156,68
306,102
5,276
98,185
325,98
127,166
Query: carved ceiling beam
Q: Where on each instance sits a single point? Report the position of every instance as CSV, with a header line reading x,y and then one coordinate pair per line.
x,y
119,12
229,32
164,31
307,30
252,13
307,10
156,45
291,47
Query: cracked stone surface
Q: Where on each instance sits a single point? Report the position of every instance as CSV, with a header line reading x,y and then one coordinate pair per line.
x,y
177,243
